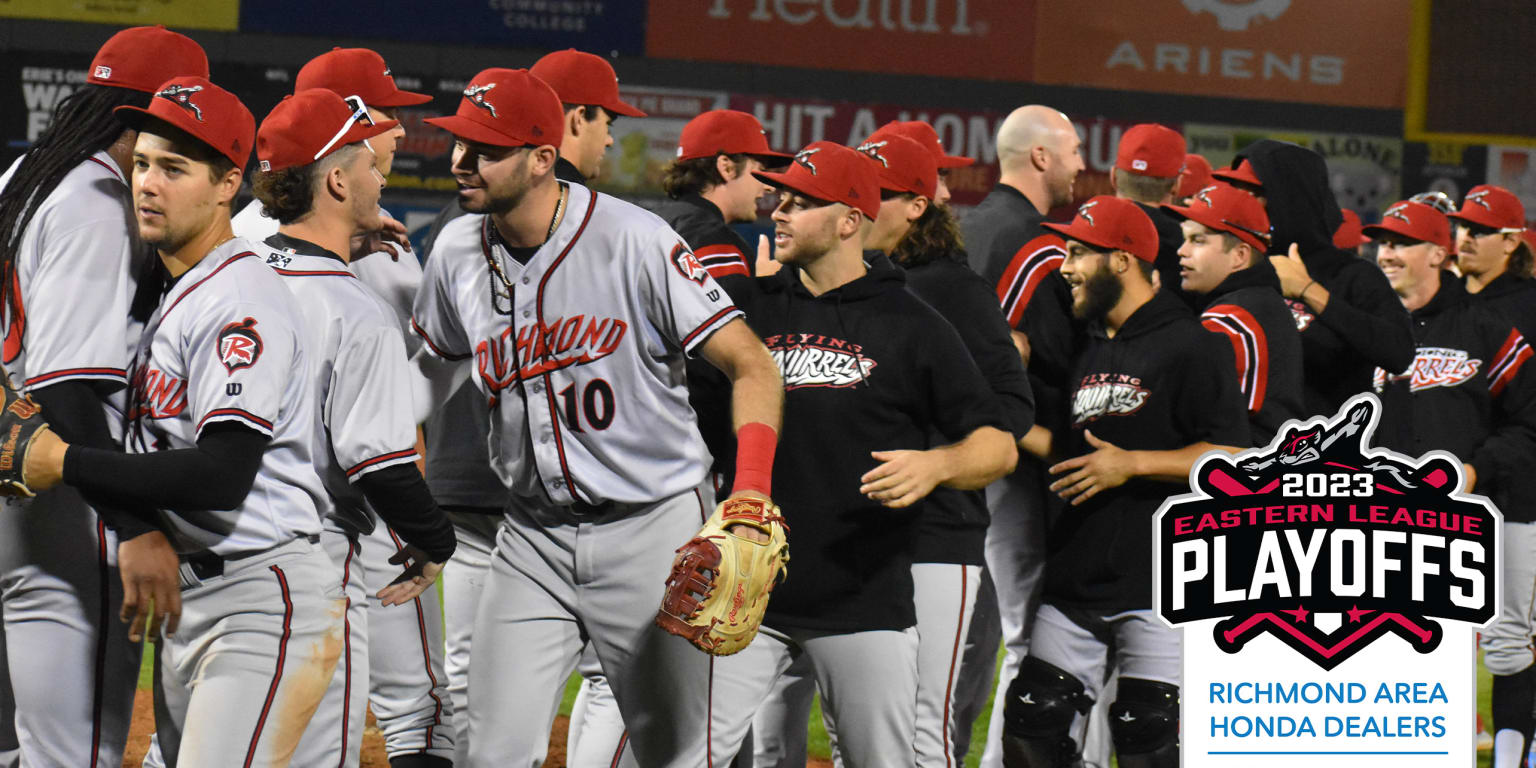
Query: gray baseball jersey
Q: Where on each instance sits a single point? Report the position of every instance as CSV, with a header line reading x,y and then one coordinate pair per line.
x,y
573,421
69,320
359,372
224,346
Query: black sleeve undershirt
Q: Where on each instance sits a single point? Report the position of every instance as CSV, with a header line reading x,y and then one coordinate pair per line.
x,y
217,474
73,409
400,496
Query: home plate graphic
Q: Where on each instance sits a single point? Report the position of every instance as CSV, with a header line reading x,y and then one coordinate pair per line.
x,y
1330,594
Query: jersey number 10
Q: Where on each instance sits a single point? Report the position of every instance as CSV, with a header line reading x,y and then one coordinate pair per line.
x,y
596,404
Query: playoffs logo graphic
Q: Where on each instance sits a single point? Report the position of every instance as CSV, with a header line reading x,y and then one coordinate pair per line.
x,y
1327,543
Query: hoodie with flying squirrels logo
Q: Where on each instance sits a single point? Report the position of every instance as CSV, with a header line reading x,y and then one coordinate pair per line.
x,y
867,367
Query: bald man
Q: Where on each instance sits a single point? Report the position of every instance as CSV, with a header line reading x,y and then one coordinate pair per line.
x,y
1040,154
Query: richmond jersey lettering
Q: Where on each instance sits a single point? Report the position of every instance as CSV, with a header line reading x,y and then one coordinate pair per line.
x,y
582,364
359,370
222,346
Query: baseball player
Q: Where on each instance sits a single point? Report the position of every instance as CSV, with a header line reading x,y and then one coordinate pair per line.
x,y
320,179
458,469
1196,176
220,431
1470,391
578,309
945,572
1226,235
589,95
1040,155
1148,165
1153,391
1350,322
870,425
71,667
403,679
949,550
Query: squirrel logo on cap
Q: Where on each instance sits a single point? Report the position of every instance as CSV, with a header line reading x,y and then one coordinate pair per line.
x,y
1479,198
872,148
1083,212
1204,196
803,157
1396,212
181,95
476,96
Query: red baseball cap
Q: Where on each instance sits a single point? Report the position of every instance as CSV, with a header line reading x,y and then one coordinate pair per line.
x,y
1196,176
902,164
1243,174
507,108
1225,208
927,137
1348,236
724,131
583,78
356,72
309,125
1114,223
1414,220
1492,207
1149,149
832,172
209,113
141,58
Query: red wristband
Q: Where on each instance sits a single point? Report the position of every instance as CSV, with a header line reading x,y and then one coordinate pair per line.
x,y
755,444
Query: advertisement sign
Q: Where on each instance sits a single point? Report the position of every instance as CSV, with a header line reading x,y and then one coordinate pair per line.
x,y
191,14
1329,592
793,123
986,39
1364,171
1443,166
1317,51
1514,168
608,28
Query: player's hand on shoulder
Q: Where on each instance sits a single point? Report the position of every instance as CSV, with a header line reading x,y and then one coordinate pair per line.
x,y
903,477
418,576
151,585
1084,477
392,237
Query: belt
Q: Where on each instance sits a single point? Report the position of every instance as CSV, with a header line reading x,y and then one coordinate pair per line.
x,y
207,565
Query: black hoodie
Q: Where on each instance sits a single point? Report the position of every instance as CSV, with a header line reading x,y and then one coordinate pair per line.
x,y
867,367
1247,310
1161,383
1470,390
953,527
1364,325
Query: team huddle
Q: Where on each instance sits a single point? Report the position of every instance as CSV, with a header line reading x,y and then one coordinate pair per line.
x,y
715,480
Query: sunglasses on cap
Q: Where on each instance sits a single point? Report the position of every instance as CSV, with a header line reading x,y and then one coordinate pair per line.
x,y
359,115
1436,200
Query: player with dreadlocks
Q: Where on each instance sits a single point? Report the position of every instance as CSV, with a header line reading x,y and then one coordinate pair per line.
x,y
69,243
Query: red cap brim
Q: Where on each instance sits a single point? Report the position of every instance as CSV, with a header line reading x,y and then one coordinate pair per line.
x,y
1207,218
619,107
464,128
787,181
952,161
401,99
134,117
1083,235
1477,217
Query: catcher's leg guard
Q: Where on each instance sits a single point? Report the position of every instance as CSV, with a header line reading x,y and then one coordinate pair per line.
x,y
1144,722
1040,706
